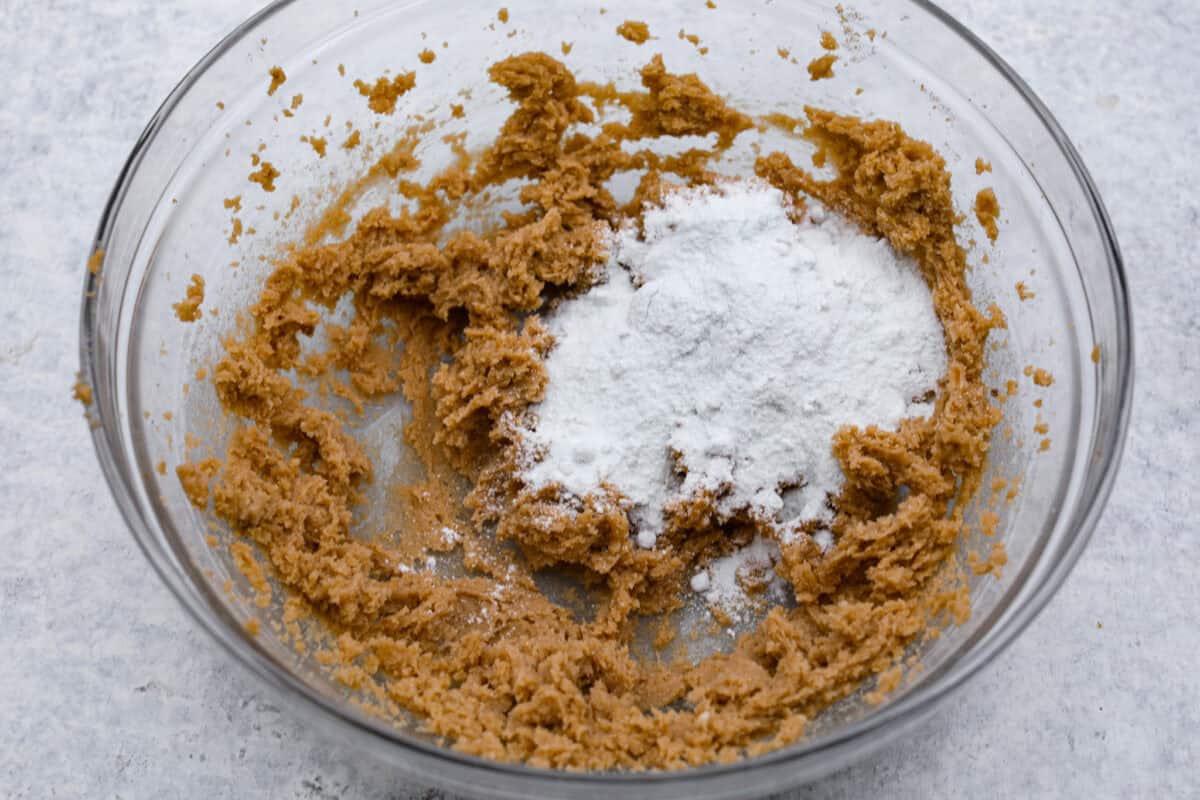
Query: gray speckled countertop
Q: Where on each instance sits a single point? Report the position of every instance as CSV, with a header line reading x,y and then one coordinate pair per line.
x,y
108,690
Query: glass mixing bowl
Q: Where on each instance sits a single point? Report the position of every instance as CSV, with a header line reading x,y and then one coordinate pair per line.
x,y
166,221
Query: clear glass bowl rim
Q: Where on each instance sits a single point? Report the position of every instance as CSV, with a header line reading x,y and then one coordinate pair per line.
x,y
912,706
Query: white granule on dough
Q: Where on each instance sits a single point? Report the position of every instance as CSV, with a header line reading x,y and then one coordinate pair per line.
x,y
732,343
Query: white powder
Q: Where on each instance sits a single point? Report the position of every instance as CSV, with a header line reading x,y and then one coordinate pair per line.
x,y
722,583
739,342
823,539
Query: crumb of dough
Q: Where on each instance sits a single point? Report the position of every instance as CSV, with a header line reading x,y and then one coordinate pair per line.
x,y
161,468
252,626
427,56
828,41
265,176
634,31
95,261
710,4
317,143
342,70
1096,354
1040,376
82,392
783,52
484,658
566,48
987,210
982,166
195,477
234,203
278,78
1044,445
353,140
252,571
989,520
1041,427
821,68
1024,292
188,309
384,93
664,635
993,565
235,231
502,15
887,683
456,111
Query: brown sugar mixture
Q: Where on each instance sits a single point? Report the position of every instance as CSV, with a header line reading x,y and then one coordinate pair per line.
x,y
987,211
384,93
449,318
188,309
821,67
634,31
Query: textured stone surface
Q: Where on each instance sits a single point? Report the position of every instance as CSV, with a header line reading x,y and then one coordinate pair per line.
x,y
106,689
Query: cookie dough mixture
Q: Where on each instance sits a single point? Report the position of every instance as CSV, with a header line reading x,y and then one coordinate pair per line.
x,y
452,320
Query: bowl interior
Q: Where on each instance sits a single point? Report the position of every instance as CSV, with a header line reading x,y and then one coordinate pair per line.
x,y
171,221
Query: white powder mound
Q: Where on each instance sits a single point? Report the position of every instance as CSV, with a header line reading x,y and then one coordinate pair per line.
x,y
731,343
